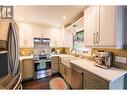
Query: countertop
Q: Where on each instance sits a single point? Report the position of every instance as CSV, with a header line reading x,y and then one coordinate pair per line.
x,y
109,74
2,52
25,57
61,55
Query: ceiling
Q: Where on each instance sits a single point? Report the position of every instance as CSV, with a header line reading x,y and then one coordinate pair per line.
x,y
49,15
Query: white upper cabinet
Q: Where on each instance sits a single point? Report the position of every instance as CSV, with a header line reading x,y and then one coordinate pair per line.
x,y
68,37
46,32
56,37
40,31
107,26
25,35
90,26
104,26
37,32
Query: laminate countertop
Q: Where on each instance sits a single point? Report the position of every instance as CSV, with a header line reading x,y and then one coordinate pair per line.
x,y
109,74
62,55
25,57
2,52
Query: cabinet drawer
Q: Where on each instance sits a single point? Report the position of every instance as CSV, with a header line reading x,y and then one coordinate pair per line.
x,y
95,81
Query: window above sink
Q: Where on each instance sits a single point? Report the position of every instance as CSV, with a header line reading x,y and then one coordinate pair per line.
x,y
78,41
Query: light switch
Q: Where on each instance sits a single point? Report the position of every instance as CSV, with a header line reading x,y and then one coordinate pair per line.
x,y
120,59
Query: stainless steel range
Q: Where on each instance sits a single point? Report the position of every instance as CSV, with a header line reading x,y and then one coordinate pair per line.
x,y
42,61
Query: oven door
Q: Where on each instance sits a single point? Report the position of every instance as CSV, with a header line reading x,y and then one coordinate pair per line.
x,y
42,69
42,65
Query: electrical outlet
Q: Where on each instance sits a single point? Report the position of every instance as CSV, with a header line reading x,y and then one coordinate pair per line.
x,y
120,59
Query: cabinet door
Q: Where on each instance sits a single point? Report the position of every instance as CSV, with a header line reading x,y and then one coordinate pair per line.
x,y
68,75
54,64
25,35
61,69
107,26
94,82
91,26
37,31
3,30
68,37
28,69
56,37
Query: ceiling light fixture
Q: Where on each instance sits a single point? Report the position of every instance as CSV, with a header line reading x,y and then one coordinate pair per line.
x,y
21,18
58,25
64,17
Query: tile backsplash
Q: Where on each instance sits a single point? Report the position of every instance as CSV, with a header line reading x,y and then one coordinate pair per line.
x,y
29,51
64,50
25,51
116,52
61,50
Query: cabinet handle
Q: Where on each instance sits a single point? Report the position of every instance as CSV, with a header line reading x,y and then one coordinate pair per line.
x,y
97,38
94,38
77,70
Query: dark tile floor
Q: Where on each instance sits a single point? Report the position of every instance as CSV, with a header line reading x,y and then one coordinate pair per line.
x,y
39,84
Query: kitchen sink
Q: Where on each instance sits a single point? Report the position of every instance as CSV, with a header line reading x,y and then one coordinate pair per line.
x,y
67,59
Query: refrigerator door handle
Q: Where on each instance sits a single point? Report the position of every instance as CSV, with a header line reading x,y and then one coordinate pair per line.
x,y
16,50
13,49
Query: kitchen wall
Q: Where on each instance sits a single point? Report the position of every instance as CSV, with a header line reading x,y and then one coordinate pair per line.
x,y
116,52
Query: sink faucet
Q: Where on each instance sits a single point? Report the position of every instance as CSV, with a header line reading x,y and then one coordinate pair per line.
x,y
73,51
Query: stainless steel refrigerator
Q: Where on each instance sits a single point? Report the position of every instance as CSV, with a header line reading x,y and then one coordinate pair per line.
x,y
9,43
